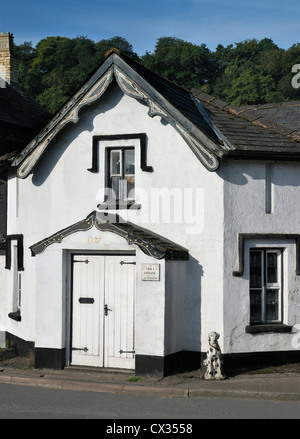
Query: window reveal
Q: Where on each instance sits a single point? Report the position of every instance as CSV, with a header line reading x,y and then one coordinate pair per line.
x,y
14,262
17,277
265,285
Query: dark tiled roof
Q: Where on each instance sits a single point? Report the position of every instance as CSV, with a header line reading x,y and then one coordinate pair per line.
x,y
17,108
282,113
20,118
177,96
249,132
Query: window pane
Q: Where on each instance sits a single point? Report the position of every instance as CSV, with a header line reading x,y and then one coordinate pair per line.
x,y
115,185
272,305
129,162
255,269
115,159
130,186
255,307
272,268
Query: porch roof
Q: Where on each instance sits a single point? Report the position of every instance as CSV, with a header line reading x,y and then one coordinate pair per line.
x,y
150,243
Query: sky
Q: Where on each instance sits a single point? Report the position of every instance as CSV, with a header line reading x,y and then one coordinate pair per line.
x,y
143,22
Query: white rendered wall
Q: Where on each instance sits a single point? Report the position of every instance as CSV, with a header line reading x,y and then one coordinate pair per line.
x,y
61,192
150,310
245,212
174,306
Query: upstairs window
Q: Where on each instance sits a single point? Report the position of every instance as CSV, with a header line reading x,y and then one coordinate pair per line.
x,y
121,174
265,286
121,158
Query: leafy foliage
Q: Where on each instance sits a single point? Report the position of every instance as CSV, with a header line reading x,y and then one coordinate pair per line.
x,y
181,62
53,70
249,72
255,72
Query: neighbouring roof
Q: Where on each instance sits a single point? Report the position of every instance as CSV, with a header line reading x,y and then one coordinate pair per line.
x,y
282,113
17,108
149,242
267,131
20,119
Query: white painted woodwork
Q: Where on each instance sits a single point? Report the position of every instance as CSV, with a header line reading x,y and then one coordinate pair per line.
x,y
108,282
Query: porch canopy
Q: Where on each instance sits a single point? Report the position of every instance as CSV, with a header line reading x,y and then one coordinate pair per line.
x,y
150,243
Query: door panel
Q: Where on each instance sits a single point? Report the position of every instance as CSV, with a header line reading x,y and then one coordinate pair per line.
x,y
119,295
103,311
88,283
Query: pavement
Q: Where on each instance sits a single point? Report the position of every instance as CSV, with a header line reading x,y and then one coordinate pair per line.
x,y
270,386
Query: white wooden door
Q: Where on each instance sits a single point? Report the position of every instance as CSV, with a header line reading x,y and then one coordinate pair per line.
x,y
103,311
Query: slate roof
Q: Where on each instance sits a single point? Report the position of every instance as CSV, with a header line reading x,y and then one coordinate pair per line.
x,y
17,108
249,130
179,97
283,113
20,118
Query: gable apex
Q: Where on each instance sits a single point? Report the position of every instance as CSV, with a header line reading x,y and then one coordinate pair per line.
x,y
172,103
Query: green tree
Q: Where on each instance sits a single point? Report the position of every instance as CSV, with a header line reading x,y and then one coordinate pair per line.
x,y
181,62
290,57
254,72
120,43
25,55
54,70
248,72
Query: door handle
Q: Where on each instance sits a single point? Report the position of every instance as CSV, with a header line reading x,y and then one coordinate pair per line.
x,y
106,309
85,349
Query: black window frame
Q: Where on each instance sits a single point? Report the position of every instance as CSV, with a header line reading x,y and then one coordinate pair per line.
x,y
108,174
264,285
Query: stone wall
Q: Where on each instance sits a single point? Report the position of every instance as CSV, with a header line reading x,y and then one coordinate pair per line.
x,y
8,65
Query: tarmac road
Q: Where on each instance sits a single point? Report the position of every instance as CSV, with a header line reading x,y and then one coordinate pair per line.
x,y
26,402
115,394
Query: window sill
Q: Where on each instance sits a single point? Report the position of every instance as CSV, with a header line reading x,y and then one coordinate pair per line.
x,y
15,316
118,205
268,327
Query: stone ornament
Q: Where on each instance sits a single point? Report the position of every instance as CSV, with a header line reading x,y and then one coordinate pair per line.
x,y
213,361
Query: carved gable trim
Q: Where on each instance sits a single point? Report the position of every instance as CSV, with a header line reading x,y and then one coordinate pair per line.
x,y
134,86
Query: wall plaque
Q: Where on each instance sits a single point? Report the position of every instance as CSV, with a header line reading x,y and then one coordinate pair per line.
x,y
151,272
92,240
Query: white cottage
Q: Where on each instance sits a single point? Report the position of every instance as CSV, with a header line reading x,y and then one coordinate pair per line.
x,y
142,217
